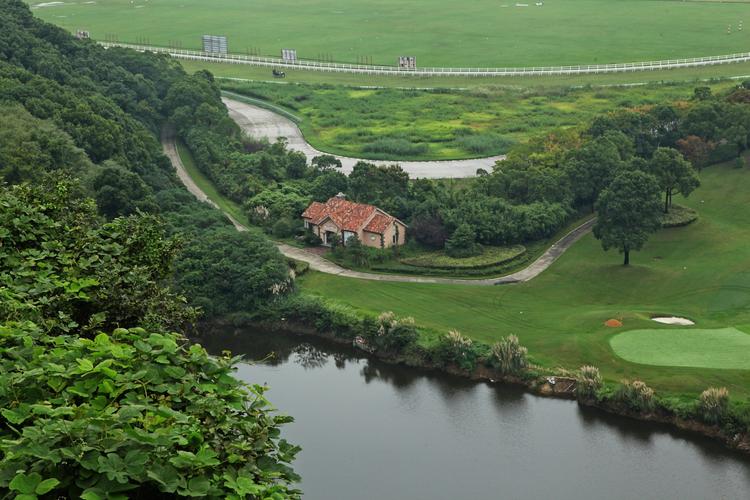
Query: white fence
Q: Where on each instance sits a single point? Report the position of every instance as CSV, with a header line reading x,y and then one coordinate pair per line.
x,y
396,71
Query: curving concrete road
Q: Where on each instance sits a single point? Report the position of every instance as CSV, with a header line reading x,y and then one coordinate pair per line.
x,y
259,122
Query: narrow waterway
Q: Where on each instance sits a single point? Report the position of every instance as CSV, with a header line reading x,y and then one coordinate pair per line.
x,y
370,430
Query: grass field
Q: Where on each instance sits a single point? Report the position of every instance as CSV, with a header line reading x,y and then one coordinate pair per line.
x,y
701,271
722,348
479,33
446,123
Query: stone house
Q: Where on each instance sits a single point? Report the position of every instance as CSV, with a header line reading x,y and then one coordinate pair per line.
x,y
343,218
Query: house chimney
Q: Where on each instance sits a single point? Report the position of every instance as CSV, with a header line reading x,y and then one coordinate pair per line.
x,y
341,196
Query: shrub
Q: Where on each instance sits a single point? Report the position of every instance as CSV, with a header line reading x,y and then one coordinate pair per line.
x,y
509,355
357,251
285,227
636,395
678,216
454,348
589,381
462,242
393,334
713,404
311,239
137,412
326,317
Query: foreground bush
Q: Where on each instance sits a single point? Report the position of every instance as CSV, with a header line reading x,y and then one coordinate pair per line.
x,y
133,411
509,356
713,404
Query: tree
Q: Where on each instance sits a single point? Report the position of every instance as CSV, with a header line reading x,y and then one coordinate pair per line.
x,y
702,93
296,165
737,135
628,212
428,229
591,168
463,242
325,163
673,173
329,184
695,150
120,192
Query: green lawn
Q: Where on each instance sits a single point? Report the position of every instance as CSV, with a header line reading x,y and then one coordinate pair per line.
x,y
723,348
446,123
701,271
438,32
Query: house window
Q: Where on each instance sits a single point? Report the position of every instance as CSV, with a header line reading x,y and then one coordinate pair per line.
x,y
372,238
395,238
307,225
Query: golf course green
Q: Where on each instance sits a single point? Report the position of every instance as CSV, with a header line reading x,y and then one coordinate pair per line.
x,y
723,348
701,271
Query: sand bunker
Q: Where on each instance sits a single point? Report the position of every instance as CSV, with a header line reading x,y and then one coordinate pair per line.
x,y
673,320
613,323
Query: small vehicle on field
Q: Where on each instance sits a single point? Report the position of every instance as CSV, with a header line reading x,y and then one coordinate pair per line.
x,y
277,73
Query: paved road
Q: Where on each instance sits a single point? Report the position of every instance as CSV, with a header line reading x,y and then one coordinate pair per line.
x,y
260,122
318,263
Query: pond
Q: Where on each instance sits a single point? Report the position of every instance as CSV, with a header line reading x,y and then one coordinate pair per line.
x,y
370,430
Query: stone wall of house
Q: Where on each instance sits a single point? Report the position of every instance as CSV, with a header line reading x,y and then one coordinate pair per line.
x,y
370,239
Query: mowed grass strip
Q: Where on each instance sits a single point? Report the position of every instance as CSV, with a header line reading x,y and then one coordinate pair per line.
x,y
725,348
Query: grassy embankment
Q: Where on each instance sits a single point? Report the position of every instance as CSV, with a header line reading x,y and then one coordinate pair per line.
x,y
392,124
205,184
700,271
480,33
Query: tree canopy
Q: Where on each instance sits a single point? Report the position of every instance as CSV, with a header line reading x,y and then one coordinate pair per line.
x,y
628,212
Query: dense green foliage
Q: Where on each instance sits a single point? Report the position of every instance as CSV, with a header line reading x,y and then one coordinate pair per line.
x,y
99,398
93,405
72,108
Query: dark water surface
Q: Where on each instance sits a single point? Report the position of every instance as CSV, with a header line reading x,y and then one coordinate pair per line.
x,y
370,430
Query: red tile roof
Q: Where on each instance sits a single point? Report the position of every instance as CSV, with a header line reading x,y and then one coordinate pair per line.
x,y
379,223
315,211
348,216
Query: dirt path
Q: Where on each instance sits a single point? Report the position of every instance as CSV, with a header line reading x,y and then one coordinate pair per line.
x,y
318,263
260,122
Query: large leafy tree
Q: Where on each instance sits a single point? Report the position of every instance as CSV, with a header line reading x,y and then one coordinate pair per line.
x,y
628,212
591,168
674,174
